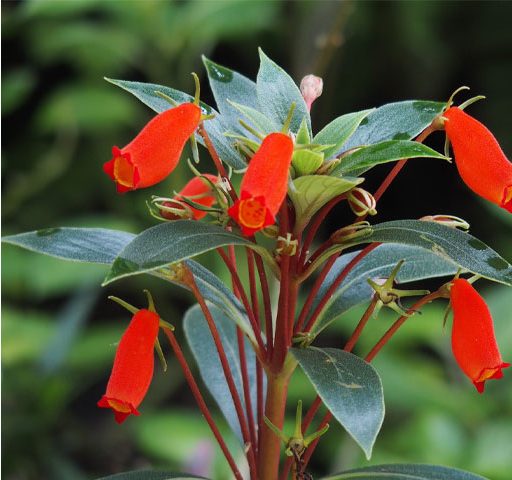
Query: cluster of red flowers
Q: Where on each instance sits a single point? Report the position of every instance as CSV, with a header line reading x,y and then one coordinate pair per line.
x,y
154,153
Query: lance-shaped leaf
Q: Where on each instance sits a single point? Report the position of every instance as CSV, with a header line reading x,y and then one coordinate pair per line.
x,y
230,86
405,472
339,131
203,347
312,192
91,245
454,245
170,243
394,121
419,264
349,387
151,475
389,151
469,253
254,118
276,92
100,245
216,127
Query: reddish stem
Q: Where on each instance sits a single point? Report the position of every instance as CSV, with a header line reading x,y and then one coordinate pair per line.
x,y
267,307
227,374
270,444
294,291
252,284
259,398
246,387
337,282
312,294
398,167
243,297
200,401
315,225
400,321
282,320
360,326
319,251
243,361
216,159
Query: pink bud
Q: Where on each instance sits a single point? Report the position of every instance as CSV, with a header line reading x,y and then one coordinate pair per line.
x,y
311,88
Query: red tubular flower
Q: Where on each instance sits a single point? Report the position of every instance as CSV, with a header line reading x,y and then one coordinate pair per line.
x,y
199,191
480,160
133,366
264,184
473,342
155,151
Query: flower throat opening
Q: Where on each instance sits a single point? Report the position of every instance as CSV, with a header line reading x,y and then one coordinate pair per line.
x,y
124,172
252,213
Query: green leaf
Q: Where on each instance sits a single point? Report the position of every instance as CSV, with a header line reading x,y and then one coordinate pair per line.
x,y
216,128
466,251
256,119
93,245
146,93
150,475
99,245
339,131
405,472
394,121
276,93
213,289
350,388
469,253
389,151
205,353
312,192
230,87
418,264
169,243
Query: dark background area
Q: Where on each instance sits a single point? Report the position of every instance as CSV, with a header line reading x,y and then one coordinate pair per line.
x,y
60,120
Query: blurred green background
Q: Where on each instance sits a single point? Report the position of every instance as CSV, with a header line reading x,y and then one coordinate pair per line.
x,y
60,120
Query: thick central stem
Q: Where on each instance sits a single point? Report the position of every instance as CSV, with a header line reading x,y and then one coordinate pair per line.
x,y
270,448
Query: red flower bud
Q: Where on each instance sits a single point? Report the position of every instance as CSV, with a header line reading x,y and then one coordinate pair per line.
x,y
133,366
155,151
473,342
199,191
264,185
480,160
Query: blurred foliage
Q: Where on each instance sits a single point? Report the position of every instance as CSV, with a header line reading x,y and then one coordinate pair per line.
x,y
60,122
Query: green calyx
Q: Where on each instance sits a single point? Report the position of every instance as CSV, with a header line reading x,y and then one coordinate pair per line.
x,y
297,443
306,162
389,296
